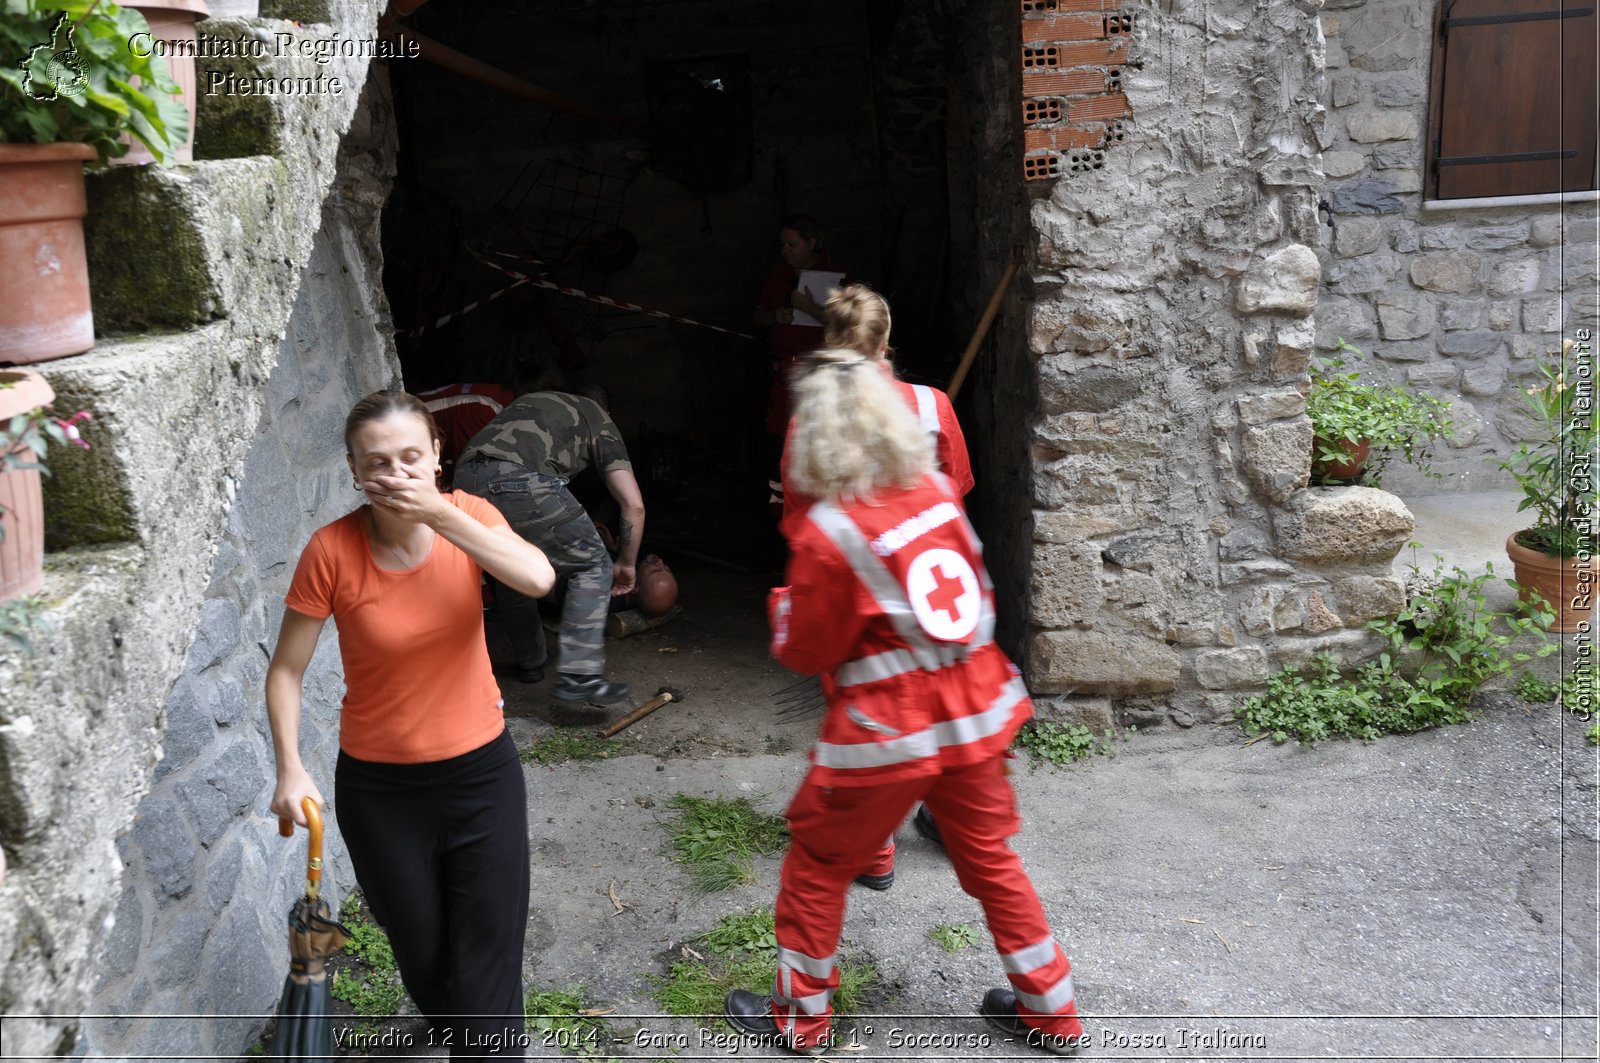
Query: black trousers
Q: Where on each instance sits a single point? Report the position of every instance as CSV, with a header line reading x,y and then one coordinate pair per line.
x,y
441,851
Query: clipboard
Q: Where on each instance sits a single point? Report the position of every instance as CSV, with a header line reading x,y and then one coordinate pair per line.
x,y
821,283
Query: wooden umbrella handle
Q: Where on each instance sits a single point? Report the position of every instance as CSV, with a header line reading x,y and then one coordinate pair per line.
x,y
314,848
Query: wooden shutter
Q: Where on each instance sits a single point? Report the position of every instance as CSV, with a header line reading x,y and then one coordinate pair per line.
x,y
1514,101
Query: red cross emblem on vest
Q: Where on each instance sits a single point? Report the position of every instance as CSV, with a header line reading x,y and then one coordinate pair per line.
x,y
944,594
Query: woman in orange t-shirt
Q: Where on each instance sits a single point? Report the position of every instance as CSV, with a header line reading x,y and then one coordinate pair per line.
x,y
428,788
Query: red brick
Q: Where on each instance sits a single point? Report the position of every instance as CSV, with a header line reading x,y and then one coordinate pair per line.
x,y
1055,83
1098,109
1043,167
1088,5
1064,28
1038,112
1065,138
1091,54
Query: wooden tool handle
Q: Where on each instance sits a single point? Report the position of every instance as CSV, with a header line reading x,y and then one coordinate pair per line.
x,y
313,848
636,715
982,331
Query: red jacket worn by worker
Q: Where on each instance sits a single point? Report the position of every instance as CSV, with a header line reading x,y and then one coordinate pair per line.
x,y
937,418
460,411
890,603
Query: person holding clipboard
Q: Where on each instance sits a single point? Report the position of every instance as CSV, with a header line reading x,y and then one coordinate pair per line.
x,y
790,307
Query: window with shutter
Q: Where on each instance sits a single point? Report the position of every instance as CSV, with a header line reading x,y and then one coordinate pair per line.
x,y
1513,102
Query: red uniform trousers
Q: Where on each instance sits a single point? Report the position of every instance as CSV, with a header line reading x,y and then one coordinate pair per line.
x,y
834,839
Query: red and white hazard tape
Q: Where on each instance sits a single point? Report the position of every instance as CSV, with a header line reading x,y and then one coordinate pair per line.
x,y
603,300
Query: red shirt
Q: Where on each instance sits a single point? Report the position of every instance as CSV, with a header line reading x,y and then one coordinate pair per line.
x,y
418,686
789,341
460,411
949,447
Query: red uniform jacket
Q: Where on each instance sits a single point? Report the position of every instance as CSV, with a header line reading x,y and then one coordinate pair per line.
x,y
890,603
460,411
937,417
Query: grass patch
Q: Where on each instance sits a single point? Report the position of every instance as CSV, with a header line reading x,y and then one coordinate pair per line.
x,y
564,744
1530,687
370,982
741,952
1062,743
953,937
565,1020
718,838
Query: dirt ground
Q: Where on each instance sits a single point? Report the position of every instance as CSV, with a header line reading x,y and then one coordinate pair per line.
x,y
1420,897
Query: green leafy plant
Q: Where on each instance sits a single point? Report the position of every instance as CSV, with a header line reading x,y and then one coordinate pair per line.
x,y
370,984
1530,687
1555,471
717,838
563,745
1061,743
1347,412
21,618
744,955
1441,648
1593,735
71,70
566,1020
953,937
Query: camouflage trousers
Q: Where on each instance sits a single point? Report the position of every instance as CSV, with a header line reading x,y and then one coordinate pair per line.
x,y
543,511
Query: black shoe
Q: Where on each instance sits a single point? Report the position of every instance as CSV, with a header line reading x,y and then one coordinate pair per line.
x,y
751,1013
926,827
1000,1008
530,675
590,688
876,882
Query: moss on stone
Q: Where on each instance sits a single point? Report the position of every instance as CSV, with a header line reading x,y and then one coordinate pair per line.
x,y
232,125
147,262
296,10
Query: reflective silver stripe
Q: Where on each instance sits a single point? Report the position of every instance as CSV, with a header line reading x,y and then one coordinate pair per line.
x,y
927,408
1052,1001
879,581
815,1004
847,755
890,663
925,743
1029,959
990,721
806,964
885,665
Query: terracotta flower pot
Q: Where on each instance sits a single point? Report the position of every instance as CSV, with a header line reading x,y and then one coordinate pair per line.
x,y
172,21
21,506
1567,583
1353,465
44,302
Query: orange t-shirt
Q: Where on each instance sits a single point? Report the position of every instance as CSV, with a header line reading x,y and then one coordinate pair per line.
x,y
418,686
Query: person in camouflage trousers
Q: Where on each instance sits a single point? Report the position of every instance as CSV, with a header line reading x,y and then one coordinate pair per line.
x,y
521,462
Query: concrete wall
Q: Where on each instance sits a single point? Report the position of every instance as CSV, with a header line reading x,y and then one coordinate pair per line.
x,y
1177,555
206,878
1457,302
195,270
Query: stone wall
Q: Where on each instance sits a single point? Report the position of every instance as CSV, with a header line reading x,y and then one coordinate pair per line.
x,y
989,229
206,878
195,269
1177,554
1457,302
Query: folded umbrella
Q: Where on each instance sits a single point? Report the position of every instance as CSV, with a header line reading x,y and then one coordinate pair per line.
x,y
305,1027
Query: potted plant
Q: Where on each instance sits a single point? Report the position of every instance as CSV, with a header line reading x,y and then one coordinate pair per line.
x,y
1358,428
173,23
26,429
71,87
1554,558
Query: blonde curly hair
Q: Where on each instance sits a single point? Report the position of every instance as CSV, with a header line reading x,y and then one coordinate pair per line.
x,y
853,433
